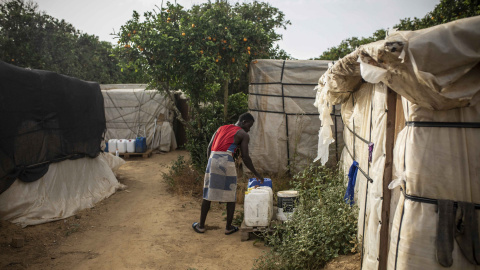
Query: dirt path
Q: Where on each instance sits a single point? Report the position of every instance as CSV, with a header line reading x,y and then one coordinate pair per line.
x,y
142,227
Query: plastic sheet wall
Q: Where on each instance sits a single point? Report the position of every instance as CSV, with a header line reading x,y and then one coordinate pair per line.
x,y
281,97
132,111
364,117
432,163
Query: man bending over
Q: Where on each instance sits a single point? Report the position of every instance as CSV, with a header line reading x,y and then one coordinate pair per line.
x,y
220,183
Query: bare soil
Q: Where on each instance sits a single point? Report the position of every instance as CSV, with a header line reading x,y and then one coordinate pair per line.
x,y
141,227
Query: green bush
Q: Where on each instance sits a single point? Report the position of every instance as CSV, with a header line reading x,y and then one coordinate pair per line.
x,y
183,179
322,227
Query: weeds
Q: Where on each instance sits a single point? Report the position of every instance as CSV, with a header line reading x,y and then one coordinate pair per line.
x,y
322,227
183,179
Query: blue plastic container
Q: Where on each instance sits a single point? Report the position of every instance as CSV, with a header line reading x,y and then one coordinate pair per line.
x,y
140,145
267,182
106,147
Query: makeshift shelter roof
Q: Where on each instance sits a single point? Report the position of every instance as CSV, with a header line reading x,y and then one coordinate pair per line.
x,y
436,68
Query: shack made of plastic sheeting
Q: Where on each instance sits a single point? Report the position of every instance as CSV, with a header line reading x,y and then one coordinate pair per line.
x,y
434,163
131,111
364,118
281,97
68,187
436,157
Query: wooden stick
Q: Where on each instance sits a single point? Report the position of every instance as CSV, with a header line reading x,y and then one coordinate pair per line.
x,y
387,177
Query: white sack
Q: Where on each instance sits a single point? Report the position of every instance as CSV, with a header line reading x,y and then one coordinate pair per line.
x,y
68,187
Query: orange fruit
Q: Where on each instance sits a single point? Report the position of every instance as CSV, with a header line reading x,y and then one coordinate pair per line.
x,y
209,38
246,65
214,39
201,51
129,34
233,60
13,60
141,49
168,19
183,34
248,52
248,48
224,41
245,39
134,31
226,28
216,60
193,25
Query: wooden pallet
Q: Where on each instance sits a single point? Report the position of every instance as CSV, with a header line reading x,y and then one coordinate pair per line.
x,y
144,155
247,231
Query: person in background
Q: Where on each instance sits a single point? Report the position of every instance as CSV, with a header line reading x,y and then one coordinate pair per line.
x,y
220,183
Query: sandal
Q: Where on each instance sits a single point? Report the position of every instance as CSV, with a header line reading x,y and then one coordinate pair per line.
x,y
233,230
196,228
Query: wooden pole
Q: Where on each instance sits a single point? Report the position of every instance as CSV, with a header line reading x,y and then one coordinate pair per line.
x,y
387,177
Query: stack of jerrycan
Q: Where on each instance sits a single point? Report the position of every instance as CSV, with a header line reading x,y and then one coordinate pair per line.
x,y
258,205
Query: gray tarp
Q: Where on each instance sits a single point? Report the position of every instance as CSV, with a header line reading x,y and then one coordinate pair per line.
x,y
281,97
132,111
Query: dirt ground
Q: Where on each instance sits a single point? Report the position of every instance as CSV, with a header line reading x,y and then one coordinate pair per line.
x,y
141,227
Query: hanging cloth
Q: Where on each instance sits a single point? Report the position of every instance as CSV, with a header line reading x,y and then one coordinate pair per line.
x,y
352,178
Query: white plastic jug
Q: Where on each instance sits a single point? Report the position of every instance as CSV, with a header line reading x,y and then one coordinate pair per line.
x,y
112,146
131,146
258,207
122,146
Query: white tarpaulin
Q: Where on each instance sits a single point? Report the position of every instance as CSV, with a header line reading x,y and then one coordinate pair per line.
x,y
281,97
436,158
68,187
131,111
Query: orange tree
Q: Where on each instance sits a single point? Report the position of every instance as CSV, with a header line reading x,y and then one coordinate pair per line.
x,y
200,50
204,51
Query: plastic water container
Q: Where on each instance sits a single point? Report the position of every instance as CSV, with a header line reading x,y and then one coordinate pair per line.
x,y
140,145
287,200
267,182
131,146
122,146
112,146
258,207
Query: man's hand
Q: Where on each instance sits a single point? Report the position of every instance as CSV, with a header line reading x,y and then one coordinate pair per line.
x,y
260,179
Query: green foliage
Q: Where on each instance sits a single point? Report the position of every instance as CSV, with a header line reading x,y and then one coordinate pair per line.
x,y
207,120
349,45
31,39
197,50
445,11
322,227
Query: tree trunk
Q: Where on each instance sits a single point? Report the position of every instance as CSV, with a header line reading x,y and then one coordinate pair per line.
x,y
179,117
225,101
